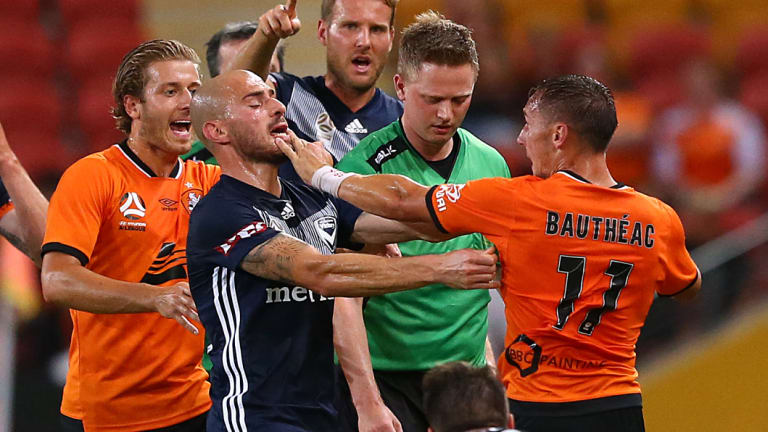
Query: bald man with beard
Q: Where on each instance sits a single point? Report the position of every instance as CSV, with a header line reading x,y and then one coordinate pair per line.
x,y
263,273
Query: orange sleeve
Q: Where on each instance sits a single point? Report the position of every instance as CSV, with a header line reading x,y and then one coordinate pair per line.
x,y
477,206
77,209
5,208
679,269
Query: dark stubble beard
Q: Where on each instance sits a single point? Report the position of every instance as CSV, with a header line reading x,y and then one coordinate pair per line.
x,y
337,70
253,151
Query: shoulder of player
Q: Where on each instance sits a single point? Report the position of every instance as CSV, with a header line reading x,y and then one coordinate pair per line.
x,y
476,144
95,165
207,174
371,144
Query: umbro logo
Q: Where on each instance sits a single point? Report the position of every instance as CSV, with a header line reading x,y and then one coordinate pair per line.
x,y
168,204
355,127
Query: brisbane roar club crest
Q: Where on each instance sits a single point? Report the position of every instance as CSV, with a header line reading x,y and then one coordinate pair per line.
x,y
190,197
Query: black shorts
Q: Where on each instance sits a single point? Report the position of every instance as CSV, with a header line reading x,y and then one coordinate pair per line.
x,y
401,392
617,420
195,424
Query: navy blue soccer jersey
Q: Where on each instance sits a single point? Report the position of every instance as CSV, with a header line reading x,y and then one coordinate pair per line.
x,y
314,113
271,344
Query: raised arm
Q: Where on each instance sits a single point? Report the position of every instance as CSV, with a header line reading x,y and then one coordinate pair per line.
x,y
67,283
386,195
284,258
277,23
23,226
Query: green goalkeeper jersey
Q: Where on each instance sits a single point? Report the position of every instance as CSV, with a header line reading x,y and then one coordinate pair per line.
x,y
417,329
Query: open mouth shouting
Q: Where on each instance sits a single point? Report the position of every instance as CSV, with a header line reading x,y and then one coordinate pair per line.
x,y
361,63
181,129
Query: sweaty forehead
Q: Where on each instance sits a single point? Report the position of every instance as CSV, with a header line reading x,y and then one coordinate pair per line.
x,y
243,82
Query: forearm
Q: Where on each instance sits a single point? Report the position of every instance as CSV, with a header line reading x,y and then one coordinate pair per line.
x,y
76,287
372,229
490,358
359,275
387,195
351,343
30,205
256,55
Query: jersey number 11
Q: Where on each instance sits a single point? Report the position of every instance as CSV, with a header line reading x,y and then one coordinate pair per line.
x,y
573,267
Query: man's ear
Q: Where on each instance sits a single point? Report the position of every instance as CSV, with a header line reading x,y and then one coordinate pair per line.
x,y
132,106
214,132
322,32
559,135
399,86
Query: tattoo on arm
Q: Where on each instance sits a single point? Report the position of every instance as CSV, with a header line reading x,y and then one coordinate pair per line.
x,y
275,259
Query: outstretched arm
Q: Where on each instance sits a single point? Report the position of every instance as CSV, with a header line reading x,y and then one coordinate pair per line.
x,y
277,23
372,229
23,226
287,259
386,195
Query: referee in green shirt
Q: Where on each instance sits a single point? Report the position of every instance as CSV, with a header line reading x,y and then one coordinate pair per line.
x,y
410,332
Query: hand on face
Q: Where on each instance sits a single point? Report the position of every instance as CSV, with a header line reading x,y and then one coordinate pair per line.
x,y
280,22
306,157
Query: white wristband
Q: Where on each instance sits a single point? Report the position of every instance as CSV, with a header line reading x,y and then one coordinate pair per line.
x,y
328,179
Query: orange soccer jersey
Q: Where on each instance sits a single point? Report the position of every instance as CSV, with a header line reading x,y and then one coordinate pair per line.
x,y
580,266
129,371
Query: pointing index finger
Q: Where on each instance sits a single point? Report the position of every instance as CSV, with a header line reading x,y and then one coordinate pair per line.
x,y
291,8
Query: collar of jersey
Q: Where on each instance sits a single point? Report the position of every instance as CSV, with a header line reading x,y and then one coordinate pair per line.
x,y
577,177
333,104
456,146
138,163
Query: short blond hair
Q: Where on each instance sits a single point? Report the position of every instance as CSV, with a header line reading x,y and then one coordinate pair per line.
x,y
435,39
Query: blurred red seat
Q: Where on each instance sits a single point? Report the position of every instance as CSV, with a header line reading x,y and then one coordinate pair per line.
x,y
27,10
753,93
41,152
662,90
75,12
25,50
30,104
94,104
97,47
666,49
752,54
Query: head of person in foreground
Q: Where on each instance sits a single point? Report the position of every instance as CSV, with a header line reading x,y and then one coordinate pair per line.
x,y
459,397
